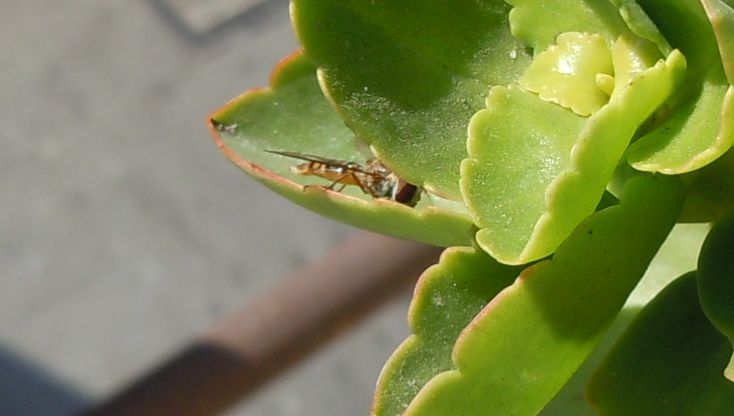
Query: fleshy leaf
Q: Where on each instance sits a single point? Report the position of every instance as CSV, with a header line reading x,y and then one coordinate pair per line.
x,y
700,131
538,23
716,280
566,73
721,16
641,25
535,172
408,75
710,191
447,297
697,125
632,56
293,115
519,144
521,349
668,362
676,256
571,400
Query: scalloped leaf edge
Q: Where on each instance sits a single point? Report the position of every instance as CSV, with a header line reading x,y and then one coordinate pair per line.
x,y
451,228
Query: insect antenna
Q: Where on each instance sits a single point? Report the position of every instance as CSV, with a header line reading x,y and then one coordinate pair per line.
x,y
304,156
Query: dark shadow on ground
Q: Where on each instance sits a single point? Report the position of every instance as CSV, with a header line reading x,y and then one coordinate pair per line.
x,y
252,17
25,389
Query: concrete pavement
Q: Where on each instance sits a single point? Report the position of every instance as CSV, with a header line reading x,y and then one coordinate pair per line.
x,y
123,231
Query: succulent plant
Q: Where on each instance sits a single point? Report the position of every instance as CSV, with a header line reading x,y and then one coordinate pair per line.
x,y
554,145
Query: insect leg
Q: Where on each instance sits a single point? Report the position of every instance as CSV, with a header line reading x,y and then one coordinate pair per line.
x,y
338,180
366,188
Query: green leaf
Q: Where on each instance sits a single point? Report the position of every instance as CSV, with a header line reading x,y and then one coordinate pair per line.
x,y
536,170
407,75
676,256
447,297
521,349
710,191
697,125
641,25
721,16
685,25
575,63
519,145
716,280
697,133
538,23
571,400
668,362
293,115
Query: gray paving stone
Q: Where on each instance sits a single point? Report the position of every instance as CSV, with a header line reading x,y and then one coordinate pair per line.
x,y
202,16
123,230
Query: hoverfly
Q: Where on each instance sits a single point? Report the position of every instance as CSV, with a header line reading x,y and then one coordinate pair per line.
x,y
373,178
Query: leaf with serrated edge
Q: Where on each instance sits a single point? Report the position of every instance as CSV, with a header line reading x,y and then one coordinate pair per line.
x,y
566,73
408,75
521,349
519,145
293,115
534,174
697,125
447,296
668,362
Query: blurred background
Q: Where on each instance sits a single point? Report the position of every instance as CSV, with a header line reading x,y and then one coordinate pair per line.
x,y
124,232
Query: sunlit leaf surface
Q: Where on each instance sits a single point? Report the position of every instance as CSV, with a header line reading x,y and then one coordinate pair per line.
x,y
522,348
293,115
407,75
446,299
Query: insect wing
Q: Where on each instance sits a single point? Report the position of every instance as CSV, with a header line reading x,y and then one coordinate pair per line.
x,y
308,157
337,163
